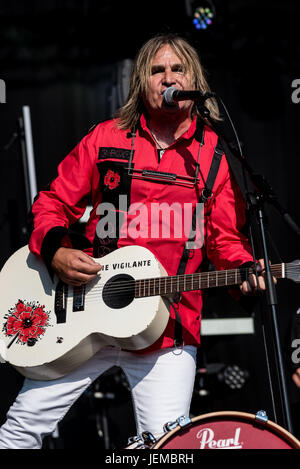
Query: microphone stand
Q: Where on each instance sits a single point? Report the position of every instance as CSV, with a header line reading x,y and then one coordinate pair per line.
x,y
255,201
23,136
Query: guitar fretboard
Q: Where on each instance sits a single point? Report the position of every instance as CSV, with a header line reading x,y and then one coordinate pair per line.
x,y
197,281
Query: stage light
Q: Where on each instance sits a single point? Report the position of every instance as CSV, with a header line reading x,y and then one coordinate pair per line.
x,y
204,15
234,376
218,375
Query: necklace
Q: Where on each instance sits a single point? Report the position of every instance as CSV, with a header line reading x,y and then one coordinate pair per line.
x,y
157,143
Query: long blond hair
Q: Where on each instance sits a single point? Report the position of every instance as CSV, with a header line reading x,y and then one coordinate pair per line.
x,y
129,114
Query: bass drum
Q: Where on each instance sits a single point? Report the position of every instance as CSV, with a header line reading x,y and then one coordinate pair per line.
x,y
228,430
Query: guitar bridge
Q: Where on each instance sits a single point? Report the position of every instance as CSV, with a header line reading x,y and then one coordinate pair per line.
x,y
60,302
78,298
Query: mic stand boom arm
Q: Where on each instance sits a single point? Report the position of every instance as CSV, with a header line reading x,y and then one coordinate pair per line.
x,y
263,193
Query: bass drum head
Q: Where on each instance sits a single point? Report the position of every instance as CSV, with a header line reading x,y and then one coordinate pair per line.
x,y
228,430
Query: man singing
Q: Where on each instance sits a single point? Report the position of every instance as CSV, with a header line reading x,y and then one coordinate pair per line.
x,y
146,134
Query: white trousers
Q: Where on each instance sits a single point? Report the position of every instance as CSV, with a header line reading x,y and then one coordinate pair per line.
x,y
161,386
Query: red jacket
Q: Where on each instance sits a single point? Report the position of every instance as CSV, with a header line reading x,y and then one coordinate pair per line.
x,y
97,169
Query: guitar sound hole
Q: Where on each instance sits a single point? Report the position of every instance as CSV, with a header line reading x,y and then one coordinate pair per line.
x,y
119,291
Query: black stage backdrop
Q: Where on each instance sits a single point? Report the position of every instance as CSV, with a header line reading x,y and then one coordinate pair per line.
x,y
67,61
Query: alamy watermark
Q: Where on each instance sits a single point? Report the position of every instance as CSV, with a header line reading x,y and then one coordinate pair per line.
x,y
296,93
296,353
153,220
2,91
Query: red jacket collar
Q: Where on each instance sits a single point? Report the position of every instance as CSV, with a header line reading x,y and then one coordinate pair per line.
x,y
186,135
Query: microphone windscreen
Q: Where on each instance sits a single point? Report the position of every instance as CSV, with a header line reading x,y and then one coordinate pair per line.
x,y
168,95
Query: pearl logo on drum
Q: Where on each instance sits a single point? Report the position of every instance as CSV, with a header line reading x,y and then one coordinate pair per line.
x,y
206,437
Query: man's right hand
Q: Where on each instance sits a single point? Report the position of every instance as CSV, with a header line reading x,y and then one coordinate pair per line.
x,y
74,267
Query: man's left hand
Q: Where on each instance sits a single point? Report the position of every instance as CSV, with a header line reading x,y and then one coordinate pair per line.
x,y
250,287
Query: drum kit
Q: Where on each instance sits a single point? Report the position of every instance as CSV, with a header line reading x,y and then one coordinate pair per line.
x,y
219,430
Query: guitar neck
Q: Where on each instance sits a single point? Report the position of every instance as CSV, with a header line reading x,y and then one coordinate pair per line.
x,y
198,281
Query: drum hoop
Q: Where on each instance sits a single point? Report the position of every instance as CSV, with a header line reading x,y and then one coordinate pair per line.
x,y
288,437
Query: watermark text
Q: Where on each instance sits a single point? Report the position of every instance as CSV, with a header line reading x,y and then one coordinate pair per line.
x,y
2,91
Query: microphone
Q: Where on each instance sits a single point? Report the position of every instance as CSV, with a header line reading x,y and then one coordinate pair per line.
x,y
172,95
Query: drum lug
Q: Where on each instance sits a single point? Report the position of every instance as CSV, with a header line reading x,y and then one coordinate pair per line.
x,y
181,421
261,416
148,438
134,439
143,441
184,421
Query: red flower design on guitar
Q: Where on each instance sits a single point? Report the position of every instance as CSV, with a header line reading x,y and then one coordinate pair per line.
x,y
111,179
27,322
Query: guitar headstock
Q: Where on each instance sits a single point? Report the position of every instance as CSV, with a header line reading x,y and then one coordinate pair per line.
x,y
292,271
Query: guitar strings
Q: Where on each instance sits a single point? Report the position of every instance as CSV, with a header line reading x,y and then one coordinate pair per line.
x,y
148,291
230,276
202,277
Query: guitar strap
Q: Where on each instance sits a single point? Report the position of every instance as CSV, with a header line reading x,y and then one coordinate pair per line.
x,y
204,197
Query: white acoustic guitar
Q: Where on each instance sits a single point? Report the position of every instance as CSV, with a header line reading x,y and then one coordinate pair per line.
x,y
49,328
